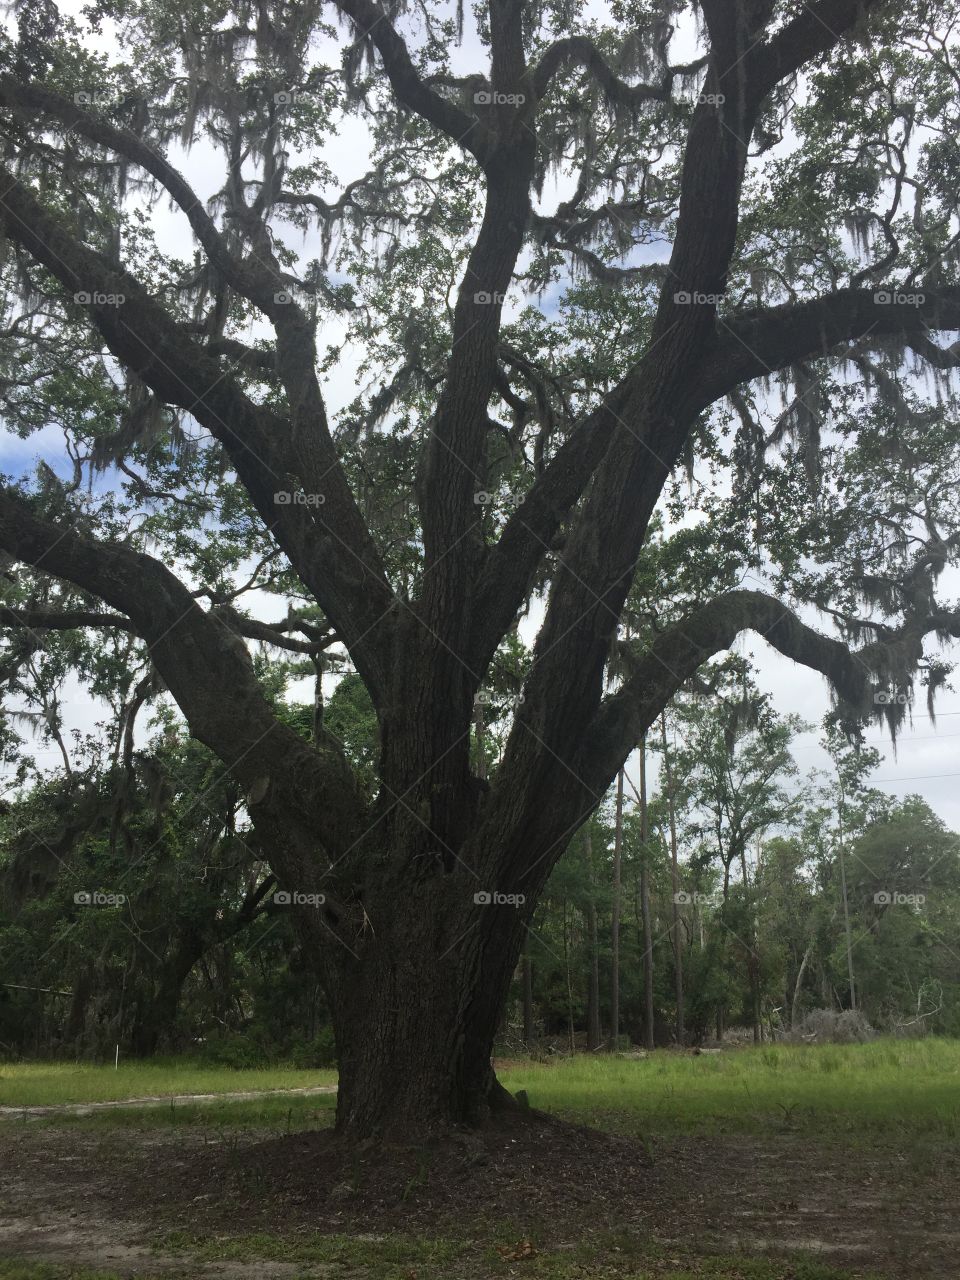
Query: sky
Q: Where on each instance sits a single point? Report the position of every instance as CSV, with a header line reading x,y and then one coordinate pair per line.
x,y
927,757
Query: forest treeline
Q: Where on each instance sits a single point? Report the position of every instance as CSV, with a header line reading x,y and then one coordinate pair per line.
x,y
719,890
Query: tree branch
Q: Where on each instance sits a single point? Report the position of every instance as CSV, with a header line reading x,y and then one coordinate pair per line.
x,y
580,51
328,543
208,672
74,619
675,655
371,21
754,343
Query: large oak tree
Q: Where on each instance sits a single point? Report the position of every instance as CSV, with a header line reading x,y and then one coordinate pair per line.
x,y
749,241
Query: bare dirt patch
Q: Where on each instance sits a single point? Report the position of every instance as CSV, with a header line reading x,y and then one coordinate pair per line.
x,y
890,1211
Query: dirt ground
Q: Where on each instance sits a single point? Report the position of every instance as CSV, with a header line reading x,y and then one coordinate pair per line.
x,y
101,1197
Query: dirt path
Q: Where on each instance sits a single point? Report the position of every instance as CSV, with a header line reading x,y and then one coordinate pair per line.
x,y
113,1246
156,1100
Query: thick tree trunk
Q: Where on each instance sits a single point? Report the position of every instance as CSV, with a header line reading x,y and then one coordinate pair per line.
x,y
415,1028
156,1017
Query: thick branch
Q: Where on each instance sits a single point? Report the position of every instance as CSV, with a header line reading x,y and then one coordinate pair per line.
x,y
580,51
73,619
204,665
676,654
327,542
755,343
817,28
61,619
410,90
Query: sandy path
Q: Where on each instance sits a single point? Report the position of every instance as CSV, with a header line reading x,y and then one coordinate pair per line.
x,y
86,1108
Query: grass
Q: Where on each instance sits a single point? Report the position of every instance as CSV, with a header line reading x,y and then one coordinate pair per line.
x,y
48,1083
885,1090
886,1087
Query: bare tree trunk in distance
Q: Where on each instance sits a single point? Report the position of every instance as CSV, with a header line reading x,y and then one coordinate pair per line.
x,y
846,908
526,980
753,958
645,902
798,985
675,880
615,920
571,1035
594,1033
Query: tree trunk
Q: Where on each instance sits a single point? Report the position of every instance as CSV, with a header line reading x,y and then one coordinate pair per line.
x,y
526,980
753,957
846,908
645,902
571,1034
615,920
156,1017
415,1037
798,985
675,879
594,1034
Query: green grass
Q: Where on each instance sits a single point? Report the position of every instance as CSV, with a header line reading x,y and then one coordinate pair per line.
x,y
887,1089
46,1083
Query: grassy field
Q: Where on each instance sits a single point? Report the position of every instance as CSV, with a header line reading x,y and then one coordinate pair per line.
x,y
50,1083
895,1087
893,1097
887,1088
